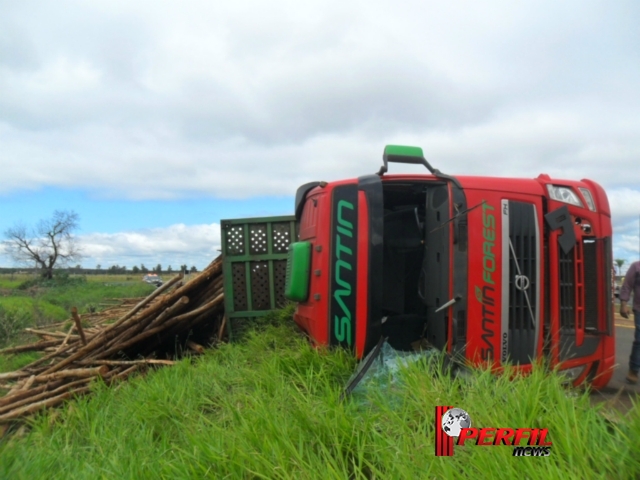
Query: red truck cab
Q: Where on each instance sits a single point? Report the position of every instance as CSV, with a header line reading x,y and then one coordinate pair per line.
x,y
490,269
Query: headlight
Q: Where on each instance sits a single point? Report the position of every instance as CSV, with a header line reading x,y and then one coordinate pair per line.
x,y
588,198
564,194
571,374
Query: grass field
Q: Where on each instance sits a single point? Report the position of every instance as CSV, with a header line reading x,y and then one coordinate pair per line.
x,y
269,408
26,302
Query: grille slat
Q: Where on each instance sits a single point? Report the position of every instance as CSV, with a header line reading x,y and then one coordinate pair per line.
x,y
567,290
522,328
590,285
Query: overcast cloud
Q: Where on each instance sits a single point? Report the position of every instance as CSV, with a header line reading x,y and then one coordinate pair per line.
x,y
159,99
192,245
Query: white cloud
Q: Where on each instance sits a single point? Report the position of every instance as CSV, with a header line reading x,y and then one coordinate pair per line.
x,y
162,99
178,244
625,202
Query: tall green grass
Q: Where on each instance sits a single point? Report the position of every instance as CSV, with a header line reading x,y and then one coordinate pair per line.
x,y
39,308
10,363
269,408
13,281
38,302
87,295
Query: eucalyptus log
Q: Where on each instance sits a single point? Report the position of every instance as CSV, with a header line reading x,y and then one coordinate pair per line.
x,y
14,375
14,397
45,332
149,361
148,299
160,317
152,331
196,347
73,373
222,325
130,332
31,347
76,319
34,407
124,374
42,396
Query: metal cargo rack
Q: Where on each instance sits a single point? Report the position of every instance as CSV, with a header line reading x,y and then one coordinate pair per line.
x,y
255,265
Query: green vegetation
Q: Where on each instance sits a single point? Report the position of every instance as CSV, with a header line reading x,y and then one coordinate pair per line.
x,y
12,281
10,363
269,408
28,300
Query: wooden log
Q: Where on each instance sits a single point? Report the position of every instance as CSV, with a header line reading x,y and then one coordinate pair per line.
x,y
202,296
28,383
63,349
76,319
152,331
165,337
214,268
168,335
149,361
14,375
206,308
222,325
148,299
42,395
45,332
108,334
34,407
124,374
30,347
66,339
14,397
103,337
18,385
170,312
196,347
72,373
113,330
131,332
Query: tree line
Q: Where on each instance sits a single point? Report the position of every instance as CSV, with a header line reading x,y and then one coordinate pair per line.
x,y
52,243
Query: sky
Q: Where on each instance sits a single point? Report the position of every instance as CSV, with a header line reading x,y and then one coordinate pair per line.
x,y
154,120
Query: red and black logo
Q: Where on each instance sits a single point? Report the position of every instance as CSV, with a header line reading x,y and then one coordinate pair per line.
x,y
453,422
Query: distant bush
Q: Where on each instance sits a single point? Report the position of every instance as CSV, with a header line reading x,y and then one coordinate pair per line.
x,y
12,322
60,279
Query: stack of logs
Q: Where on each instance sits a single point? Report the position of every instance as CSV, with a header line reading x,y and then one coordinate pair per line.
x,y
174,316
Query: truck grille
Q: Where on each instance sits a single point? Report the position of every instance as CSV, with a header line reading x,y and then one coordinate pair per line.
x,y
567,290
590,257
523,281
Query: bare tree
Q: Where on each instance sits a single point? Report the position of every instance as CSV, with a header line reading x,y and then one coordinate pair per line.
x,y
50,244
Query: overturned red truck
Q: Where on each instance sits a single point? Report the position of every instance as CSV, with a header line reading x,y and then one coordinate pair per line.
x,y
490,269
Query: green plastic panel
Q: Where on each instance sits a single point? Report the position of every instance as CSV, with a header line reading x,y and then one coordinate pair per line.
x,y
403,151
254,262
298,264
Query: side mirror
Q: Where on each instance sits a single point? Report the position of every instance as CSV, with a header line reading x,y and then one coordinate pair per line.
x,y
404,154
414,155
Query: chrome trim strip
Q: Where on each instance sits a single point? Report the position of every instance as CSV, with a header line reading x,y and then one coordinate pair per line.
x,y
538,282
506,256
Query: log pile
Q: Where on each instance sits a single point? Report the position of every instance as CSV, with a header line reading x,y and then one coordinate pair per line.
x,y
175,315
